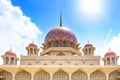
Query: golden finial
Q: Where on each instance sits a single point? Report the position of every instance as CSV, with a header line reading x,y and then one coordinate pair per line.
x,y
32,41
109,48
10,48
88,41
60,20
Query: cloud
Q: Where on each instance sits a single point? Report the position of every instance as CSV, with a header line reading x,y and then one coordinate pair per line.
x,y
16,29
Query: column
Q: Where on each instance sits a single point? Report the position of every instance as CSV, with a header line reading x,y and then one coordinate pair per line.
x,y
107,77
88,77
69,76
13,76
32,76
51,76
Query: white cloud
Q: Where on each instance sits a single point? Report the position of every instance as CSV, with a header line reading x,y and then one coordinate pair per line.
x,y
16,29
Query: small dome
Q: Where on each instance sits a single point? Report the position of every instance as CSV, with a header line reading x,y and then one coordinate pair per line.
x,y
60,33
88,45
32,44
10,53
110,53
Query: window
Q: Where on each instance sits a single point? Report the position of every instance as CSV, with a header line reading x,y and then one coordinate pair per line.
x,y
7,60
12,61
56,44
35,51
113,60
89,50
72,44
85,51
49,44
31,51
64,44
108,60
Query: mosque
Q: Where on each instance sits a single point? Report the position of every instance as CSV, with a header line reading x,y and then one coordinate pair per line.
x,y
60,59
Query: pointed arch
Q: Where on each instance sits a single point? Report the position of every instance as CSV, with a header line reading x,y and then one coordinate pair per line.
x,y
60,75
6,75
79,75
42,75
97,75
64,43
23,75
56,44
113,75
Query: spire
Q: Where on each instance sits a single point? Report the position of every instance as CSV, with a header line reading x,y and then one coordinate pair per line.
x,y
109,48
88,41
60,20
10,48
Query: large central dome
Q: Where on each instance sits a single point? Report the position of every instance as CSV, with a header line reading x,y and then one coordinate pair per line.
x,y
60,34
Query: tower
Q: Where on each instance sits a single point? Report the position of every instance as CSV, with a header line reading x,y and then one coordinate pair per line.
x,y
32,49
110,58
9,58
88,50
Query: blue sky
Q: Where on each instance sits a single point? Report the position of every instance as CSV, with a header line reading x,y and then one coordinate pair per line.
x,y
95,20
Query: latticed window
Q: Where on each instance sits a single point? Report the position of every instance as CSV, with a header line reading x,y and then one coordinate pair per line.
x,y
31,51
89,50
72,44
113,60
35,52
60,75
64,44
12,61
6,75
42,75
56,44
7,60
97,75
49,44
108,60
23,75
79,75
112,75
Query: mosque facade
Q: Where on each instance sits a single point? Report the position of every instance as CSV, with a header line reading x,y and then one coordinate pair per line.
x,y
60,59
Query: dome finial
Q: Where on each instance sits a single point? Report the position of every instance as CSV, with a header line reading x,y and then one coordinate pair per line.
x,y
32,41
109,48
60,20
10,48
88,41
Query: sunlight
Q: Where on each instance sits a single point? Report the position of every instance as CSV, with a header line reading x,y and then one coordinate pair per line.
x,y
91,8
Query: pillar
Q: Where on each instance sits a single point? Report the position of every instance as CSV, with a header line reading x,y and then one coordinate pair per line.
x,y
13,76
32,76
51,76
107,77
69,76
88,77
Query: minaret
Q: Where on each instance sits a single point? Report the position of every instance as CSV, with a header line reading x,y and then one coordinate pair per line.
x,y
32,49
10,58
110,58
60,20
88,49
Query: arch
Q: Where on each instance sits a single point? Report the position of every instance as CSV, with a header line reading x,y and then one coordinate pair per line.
x,y
60,54
7,60
108,61
112,75
31,51
97,75
60,75
35,51
23,75
56,44
64,44
49,44
89,50
6,75
42,75
113,60
85,51
12,61
72,44
79,75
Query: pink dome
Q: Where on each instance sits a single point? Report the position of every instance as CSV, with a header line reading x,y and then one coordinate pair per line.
x,y
32,44
110,53
10,53
88,45
60,33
